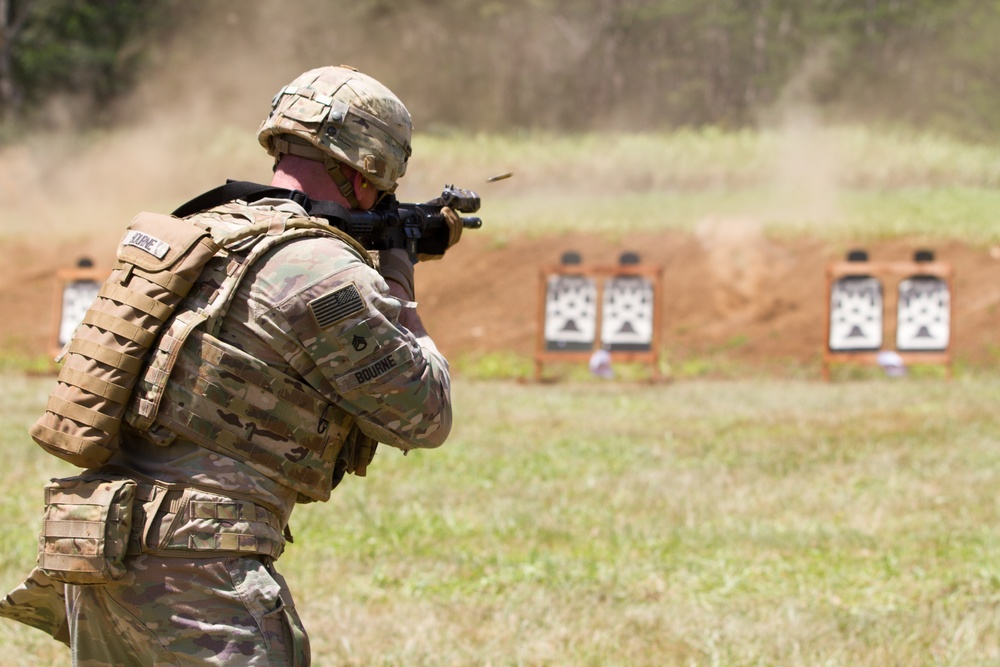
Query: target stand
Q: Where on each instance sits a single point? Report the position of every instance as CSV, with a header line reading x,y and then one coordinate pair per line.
x,y
866,299
583,309
76,289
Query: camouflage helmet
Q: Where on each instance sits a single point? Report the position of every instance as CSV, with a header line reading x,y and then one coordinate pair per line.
x,y
348,116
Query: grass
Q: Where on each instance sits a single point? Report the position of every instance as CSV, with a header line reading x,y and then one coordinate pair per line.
x,y
710,159
835,182
931,214
738,522
714,520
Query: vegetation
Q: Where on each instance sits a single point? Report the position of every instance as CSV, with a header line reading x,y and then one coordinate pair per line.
x,y
845,182
728,522
87,49
560,65
699,523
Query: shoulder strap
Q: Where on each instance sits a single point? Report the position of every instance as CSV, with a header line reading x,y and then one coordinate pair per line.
x,y
337,215
232,190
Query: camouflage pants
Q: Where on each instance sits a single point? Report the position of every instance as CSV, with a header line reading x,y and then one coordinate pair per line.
x,y
174,611
39,602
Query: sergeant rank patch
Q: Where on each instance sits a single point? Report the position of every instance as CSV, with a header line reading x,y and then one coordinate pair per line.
x,y
358,343
337,305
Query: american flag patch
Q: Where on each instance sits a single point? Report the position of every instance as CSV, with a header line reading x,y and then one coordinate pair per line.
x,y
337,305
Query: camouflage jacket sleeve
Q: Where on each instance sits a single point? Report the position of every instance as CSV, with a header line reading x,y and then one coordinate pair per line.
x,y
331,319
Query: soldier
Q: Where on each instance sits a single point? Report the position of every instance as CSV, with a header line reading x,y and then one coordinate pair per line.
x,y
245,409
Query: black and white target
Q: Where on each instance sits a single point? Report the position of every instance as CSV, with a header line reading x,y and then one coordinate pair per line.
x,y
627,314
570,312
923,320
77,297
856,314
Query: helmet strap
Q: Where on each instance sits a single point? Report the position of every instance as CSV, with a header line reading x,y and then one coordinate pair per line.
x,y
343,183
294,146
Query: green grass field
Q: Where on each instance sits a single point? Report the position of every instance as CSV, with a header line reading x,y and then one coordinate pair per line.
x,y
738,522
744,522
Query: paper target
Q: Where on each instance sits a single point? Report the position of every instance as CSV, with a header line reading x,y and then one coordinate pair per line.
x,y
570,313
627,314
856,314
924,315
77,297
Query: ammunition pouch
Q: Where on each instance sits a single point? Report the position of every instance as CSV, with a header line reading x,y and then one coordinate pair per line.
x,y
86,528
93,521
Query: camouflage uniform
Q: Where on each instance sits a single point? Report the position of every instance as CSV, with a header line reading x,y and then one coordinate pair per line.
x,y
230,609
247,408
168,611
189,597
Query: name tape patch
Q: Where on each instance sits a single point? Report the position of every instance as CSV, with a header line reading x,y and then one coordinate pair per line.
x,y
374,370
337,305
147,242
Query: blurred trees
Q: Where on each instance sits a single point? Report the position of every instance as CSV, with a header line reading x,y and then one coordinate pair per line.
x,y
649,64
571,64
85,48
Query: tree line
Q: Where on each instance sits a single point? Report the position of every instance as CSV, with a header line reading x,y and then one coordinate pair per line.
x,y
565,64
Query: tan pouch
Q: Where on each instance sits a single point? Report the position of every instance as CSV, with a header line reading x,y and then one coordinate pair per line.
x,y
159,259
86,528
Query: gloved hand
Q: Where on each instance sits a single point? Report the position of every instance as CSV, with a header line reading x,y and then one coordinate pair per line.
x,y
455,227
395,265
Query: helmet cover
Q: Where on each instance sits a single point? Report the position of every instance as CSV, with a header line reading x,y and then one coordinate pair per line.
x,y
348,116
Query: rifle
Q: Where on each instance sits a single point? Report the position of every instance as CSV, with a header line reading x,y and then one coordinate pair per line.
x,y
420,229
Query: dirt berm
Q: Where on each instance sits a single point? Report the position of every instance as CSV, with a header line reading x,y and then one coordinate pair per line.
x,y
762,301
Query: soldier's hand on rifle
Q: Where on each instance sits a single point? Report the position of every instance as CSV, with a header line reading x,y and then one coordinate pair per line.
x,y
455,226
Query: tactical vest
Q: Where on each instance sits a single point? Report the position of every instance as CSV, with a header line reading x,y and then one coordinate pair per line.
x,y
143,357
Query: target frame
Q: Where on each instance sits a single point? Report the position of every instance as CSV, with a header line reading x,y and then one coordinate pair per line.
x,y
65,279
891,274
600,275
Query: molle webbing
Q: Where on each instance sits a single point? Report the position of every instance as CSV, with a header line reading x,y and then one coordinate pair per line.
x,y
86,527
233,404
158,261
202,389
178,520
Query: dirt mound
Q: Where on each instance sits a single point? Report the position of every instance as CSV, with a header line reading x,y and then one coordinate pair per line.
x,y
726,286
